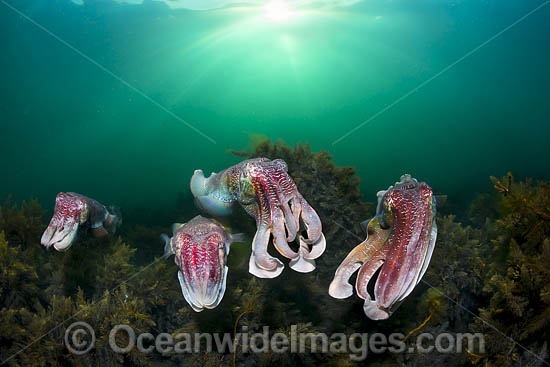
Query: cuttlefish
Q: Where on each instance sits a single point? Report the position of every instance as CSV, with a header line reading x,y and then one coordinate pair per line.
x,y
73,211
265,190
201,247
400,241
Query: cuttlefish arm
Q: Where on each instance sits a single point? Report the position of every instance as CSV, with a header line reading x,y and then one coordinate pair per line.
x,y
367,256
405,232
71,212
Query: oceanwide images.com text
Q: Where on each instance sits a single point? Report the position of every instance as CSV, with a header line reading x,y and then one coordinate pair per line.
x,y
80,339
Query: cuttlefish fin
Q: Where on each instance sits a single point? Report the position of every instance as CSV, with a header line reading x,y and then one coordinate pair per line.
x,y
176,227
99,232
167,246
440,200
365,226
238,237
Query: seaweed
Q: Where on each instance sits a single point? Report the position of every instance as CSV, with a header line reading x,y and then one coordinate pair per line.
x,y
517,280
459,265
498,265
17,278
499,268
450,292
22,225
37,304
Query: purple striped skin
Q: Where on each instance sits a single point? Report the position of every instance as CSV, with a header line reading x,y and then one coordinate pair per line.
x,y
400,241
267,193
71,211
200,247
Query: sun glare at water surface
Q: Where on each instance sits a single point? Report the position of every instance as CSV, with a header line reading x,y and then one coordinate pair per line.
x,y
277,10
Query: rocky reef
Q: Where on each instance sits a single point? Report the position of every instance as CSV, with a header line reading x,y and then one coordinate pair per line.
x,y
489,277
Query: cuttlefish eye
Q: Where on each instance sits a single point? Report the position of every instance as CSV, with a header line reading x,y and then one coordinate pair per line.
x,y
386,212
247,194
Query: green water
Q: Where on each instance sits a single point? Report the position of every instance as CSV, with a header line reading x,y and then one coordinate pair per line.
x,y
68,125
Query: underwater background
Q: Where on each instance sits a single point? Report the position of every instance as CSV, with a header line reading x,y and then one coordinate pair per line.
x,y
230,73
123,100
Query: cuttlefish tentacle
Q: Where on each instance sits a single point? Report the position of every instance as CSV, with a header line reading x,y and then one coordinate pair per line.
x,y
400,241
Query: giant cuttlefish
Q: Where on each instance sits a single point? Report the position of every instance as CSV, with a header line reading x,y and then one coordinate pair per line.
x,y
73,211
400,240
266,192
201,247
